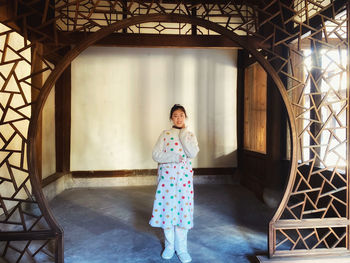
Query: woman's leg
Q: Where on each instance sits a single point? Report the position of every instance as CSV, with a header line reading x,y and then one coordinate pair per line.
x,y
181,244
169,240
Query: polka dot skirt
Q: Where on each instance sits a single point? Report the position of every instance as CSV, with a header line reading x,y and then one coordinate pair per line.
x,y
173,204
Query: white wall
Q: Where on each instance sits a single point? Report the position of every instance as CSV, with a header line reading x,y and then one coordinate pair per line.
x,y
121,99
48,135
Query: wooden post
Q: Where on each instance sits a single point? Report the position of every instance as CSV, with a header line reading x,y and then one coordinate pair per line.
x,y
63,120
37,82
315,86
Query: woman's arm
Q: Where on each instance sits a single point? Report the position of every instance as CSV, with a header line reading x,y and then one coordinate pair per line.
x,y
159,154
189,143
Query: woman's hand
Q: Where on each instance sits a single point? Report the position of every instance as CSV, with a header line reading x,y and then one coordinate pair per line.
x,y
181,158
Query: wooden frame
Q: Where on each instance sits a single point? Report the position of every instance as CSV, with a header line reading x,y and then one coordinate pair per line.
x,y
278,25
63,64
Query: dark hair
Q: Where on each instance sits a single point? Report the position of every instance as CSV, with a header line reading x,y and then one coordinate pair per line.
x,y
177,107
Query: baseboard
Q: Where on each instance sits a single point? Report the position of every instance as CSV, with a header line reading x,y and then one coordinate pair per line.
x,y
113,173
148,172
51,178
52,187
58,182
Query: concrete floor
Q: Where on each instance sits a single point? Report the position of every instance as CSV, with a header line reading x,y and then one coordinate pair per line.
x,y
103,225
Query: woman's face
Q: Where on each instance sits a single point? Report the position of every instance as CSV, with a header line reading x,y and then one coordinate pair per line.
x,y
178,118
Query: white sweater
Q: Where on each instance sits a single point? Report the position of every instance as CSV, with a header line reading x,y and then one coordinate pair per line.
x,y
185,137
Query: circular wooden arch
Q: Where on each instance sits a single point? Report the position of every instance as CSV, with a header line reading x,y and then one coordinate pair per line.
x,y
90,40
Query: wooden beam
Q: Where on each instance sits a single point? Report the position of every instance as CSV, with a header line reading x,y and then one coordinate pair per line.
x,y
7,11
63,121
158,40
311,223
54,53
341,256
197,2
37,81
51,178
31,235
242,56
139,172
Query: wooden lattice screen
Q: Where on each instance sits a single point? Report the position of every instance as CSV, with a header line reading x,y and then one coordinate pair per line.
x,y
304,47
24,230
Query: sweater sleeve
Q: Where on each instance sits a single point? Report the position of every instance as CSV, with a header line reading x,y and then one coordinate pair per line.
x,y
159,154
189,143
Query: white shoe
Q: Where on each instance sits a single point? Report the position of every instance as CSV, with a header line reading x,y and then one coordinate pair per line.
x,y
184,257
181,245
169,249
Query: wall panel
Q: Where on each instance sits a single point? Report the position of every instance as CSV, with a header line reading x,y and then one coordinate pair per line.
x,y
121,99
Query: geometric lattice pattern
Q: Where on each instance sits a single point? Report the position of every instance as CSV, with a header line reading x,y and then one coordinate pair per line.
x,y
90,16
19,210
318,88
306,43
28,251
311,238
321,103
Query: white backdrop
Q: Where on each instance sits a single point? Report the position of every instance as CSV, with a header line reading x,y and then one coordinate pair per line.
x,y
121,98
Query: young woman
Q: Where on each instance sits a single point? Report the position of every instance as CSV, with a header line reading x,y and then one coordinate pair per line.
x,y
173,204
